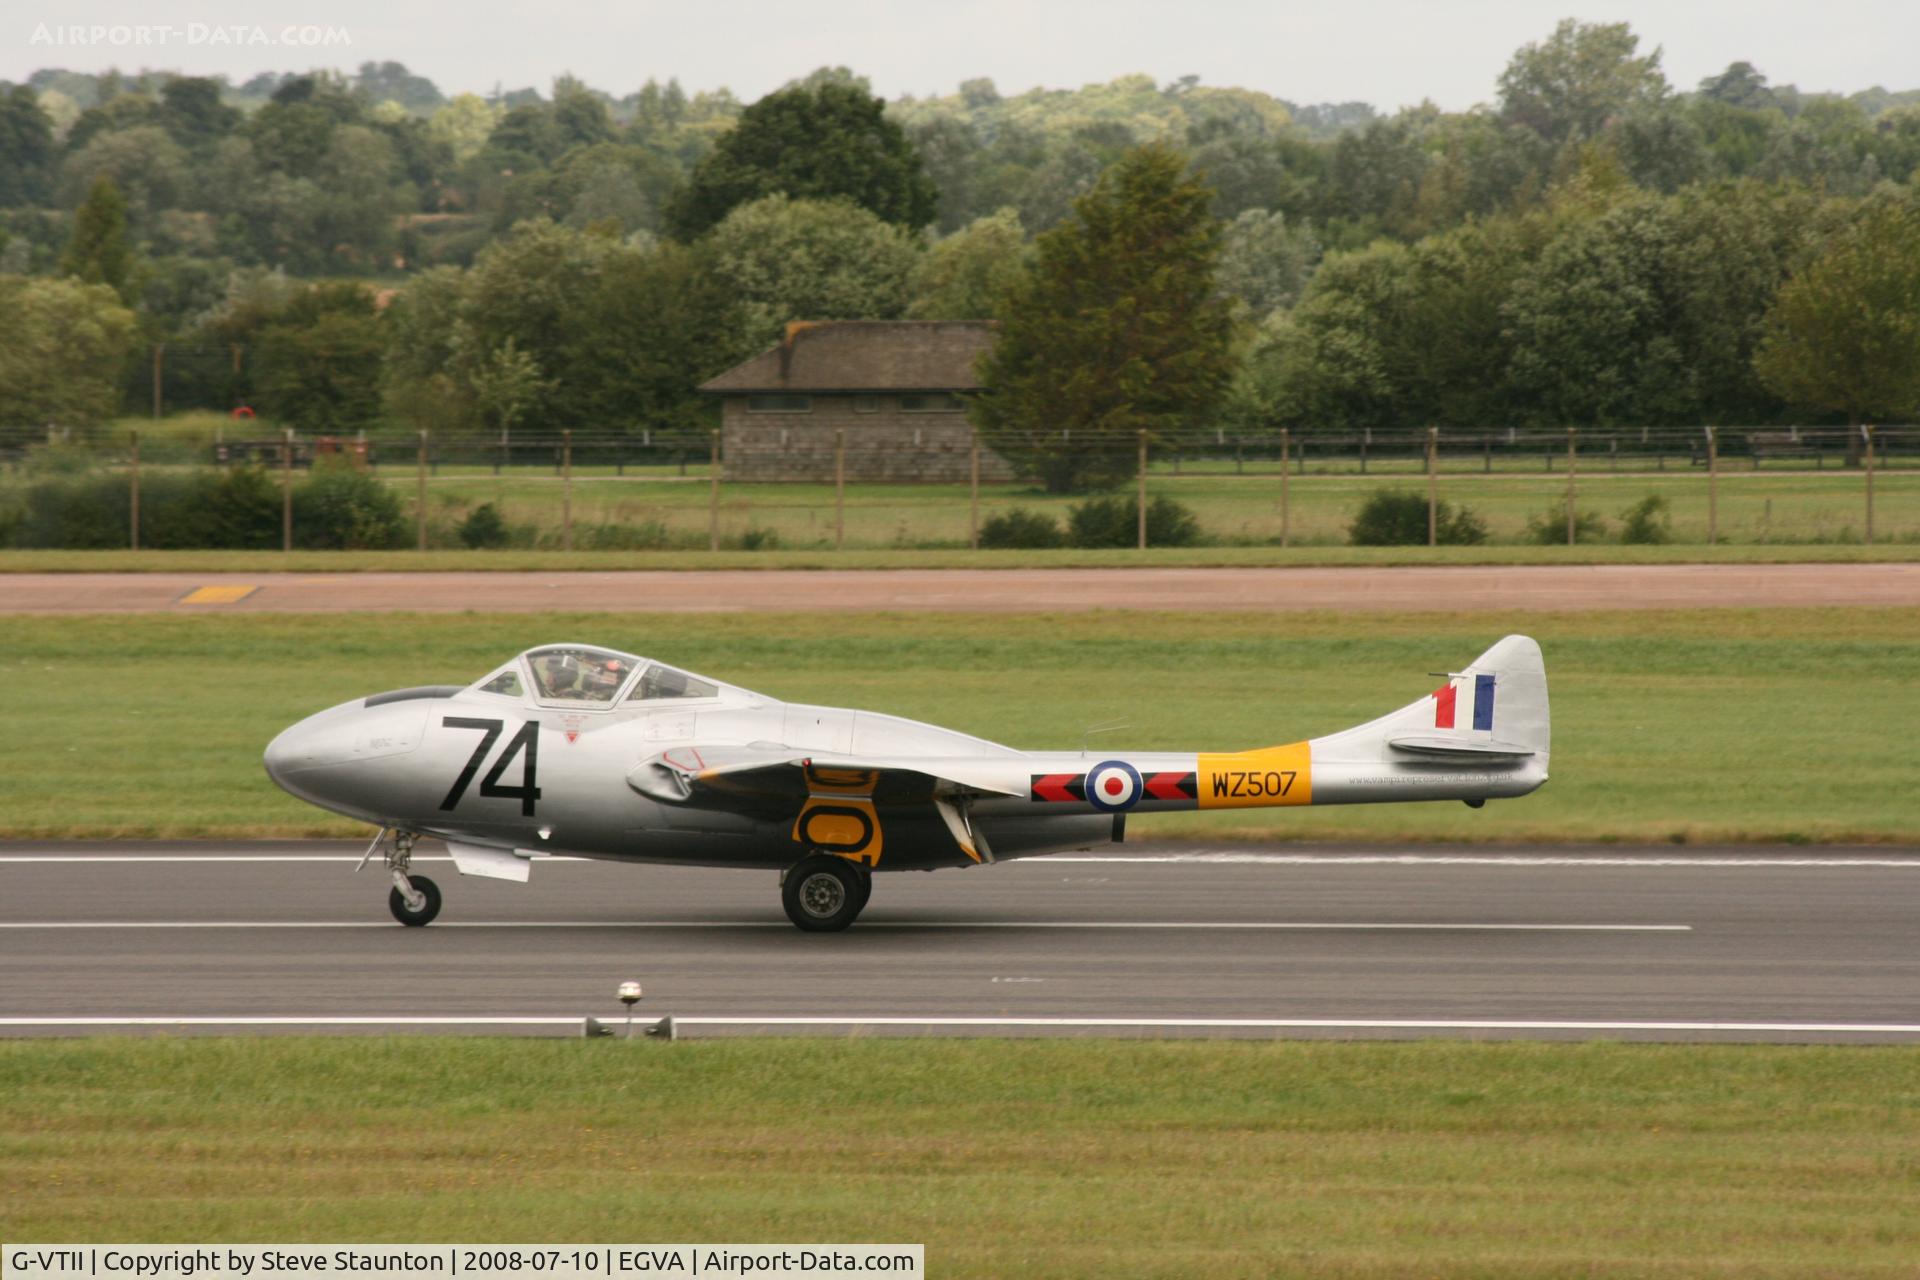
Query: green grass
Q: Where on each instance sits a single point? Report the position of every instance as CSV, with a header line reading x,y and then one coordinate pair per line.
x,y
1762,507
447,561
1043,1158
1773,725
655,507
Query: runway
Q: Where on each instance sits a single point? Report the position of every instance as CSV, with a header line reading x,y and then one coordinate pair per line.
x,y
1572,587
1613,942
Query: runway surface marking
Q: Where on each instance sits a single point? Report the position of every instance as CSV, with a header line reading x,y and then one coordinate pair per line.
x,y
1248,589
1202,859
1266,940
229,594
1388,1024
877,924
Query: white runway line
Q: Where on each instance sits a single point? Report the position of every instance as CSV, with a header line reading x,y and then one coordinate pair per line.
x,y
82,858
1468,860
1188,859
1224,1024
1426,926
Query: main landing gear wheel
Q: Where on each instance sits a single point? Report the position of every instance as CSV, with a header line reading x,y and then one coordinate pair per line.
x,y
824,894
426,903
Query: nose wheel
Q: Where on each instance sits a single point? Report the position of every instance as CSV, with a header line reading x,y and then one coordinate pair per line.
x,y
414,900
419,906
824,894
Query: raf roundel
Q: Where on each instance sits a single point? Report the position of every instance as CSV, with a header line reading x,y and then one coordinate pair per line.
x,y
1113,785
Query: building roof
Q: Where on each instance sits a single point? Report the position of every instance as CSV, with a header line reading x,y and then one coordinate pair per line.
x,y
863,356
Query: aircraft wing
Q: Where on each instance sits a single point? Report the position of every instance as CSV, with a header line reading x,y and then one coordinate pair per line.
x,y
680,776
778,781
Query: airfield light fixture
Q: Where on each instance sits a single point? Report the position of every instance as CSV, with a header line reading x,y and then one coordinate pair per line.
x,y
629,994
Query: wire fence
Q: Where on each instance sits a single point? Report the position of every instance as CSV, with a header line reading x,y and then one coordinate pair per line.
x,y
843,488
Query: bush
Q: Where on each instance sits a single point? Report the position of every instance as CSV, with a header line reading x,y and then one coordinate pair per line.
x,y
1647,521
483,527
86,513
1549,528
203,509
1021,529
1398,518
341,508
1115,522
757,539
230,510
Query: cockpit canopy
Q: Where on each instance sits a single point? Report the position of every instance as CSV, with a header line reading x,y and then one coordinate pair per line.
x,y
587,676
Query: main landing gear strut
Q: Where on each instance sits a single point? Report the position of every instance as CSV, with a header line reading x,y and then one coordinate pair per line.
x,y
414,900
824,893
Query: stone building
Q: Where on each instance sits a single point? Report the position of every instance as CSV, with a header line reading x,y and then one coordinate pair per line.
x,y
897,389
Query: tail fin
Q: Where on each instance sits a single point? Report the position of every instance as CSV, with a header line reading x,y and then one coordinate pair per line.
x,y
1491,716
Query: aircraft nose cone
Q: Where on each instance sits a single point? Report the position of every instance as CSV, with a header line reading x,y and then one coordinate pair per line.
x,y
282,755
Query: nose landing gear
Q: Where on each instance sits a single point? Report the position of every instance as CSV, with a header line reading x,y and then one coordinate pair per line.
x,y
414,900
824,893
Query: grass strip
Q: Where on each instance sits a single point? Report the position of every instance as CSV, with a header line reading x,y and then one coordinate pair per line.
x,y
1054,1158
1764,725
1299,557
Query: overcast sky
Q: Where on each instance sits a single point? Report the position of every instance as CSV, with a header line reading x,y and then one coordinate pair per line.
x,y
1387,52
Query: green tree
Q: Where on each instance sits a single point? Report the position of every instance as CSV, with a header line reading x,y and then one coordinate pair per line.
x,y
64,347
559,328
147,167
1843,335
1265,260
1569,85
826,141
505,383
965,276
193,115
463,126
1117,327
1740,85
317,364
788,260
26,149
97,251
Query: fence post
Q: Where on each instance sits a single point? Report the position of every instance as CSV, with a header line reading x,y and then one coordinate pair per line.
x,y
133,530
566,489
1713,488
1286,442
1866,435
713,494
1570,469
286,490
420,492
839,487
1433,487
973,518
159,350
1142,513
501,461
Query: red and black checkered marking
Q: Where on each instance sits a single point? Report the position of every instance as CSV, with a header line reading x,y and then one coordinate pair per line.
x,y
1059,788
1173,786
1067,788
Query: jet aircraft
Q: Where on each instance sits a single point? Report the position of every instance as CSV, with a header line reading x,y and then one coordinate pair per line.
x,y
578,750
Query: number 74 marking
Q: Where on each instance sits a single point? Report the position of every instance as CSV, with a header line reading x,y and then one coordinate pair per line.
x,y
525,744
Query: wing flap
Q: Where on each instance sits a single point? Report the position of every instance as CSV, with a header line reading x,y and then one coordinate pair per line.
x,y
680,775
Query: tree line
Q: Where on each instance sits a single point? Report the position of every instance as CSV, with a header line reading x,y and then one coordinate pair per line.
x,y
1592,248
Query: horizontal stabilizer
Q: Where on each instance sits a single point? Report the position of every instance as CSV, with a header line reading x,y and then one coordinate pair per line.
x,y
1439,746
